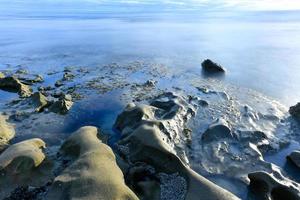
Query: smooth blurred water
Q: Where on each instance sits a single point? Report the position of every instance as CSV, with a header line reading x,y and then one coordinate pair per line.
x,y
260,50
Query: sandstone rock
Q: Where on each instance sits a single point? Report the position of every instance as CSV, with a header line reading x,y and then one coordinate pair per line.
x,y
7,132
23,156
267,186
295,111
147,144
14,85
94,173
212,67
217,131
63,105
295,158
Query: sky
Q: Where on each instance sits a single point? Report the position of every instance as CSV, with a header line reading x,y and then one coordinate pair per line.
x,y
10,7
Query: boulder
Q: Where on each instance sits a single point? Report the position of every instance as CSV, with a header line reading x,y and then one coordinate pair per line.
x,y
7,132
295,111
21,164
267,186
63,105
147,144
212,67
295,158
218,130
14,85
93,174
23,156
39,101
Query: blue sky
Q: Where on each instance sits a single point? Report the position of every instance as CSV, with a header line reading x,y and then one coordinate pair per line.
x,y
11,6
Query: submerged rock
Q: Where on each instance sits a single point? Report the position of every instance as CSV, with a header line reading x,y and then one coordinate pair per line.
x,y
212,67
295,158
267,186
14,85
63,105
7,132
295,111
217,131
94,173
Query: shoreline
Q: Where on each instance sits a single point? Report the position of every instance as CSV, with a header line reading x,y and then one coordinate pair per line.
x,y
177,109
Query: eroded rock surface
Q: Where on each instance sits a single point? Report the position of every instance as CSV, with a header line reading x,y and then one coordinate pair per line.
x,y
93,174
154,135
62,105
19,165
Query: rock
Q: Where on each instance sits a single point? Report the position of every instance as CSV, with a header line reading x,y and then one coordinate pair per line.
x,y
14,85
58,83
147,144
93,174
218,130
295,111
63,105
68,76
7,132
22,164
22,71
155,135
267,186
39,101
23,156
150,83
295,158
31,79
212,67
1,75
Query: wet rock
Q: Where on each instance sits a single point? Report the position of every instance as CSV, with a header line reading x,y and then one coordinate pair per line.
x,y
7,132
31,79
212,67
295,158
93,174
295,111
150,83
218,130
22,71
148,144
154,135
68,76
267,186
39,101
14,85
63,105
19,115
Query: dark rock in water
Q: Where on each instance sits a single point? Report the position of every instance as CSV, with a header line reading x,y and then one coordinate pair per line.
x,y
267,186
39,101
30,79
212,67
295,158
63,105
216,131
68,76
295,111
14,85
